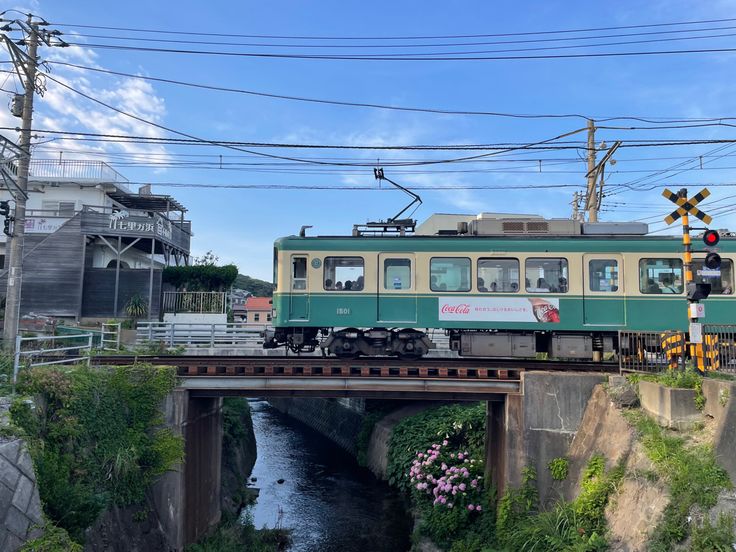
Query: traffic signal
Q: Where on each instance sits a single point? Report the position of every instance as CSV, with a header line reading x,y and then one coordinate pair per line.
x,y
697,291
6,226
711,238
4,208
712,259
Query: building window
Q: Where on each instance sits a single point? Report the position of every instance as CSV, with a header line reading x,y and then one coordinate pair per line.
x,y
256,317
299,273
268,317
719,285
59,208
603,275
397,274
344,274
498,275
660,276
449,274
548,275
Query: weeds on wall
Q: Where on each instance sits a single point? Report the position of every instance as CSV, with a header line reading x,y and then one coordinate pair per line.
x,y
690,378
95,436
692,474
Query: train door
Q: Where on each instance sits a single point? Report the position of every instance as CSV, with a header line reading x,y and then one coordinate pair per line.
x,y
604,301
298,293
397,299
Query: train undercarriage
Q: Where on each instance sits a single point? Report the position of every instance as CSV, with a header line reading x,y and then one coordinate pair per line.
x,y
411,343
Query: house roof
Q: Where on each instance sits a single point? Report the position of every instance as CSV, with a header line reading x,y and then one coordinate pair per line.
x,y
258,304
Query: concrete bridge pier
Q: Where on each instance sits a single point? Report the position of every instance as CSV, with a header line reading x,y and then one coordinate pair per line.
x,y
535,426
187,499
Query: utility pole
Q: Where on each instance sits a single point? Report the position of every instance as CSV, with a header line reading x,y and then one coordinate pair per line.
x,y
26,65
591,201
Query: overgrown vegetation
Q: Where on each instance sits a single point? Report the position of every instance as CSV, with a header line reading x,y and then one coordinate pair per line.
x,y
237,536
53,539
693,476
435,457
709,537
558,468
203,275
95,437
690,378
578,525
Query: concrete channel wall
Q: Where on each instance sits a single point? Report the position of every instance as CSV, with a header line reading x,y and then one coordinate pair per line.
x,y
528,429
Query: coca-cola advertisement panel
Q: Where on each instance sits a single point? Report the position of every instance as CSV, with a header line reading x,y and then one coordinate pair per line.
x,y
500,309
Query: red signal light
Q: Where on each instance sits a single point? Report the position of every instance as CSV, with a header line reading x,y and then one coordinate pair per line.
x,y
711,238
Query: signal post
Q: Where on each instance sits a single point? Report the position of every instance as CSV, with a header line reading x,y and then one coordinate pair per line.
x,y
696,291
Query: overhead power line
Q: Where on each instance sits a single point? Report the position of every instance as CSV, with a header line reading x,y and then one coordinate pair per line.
x,y
129,38
458,56
400,37
306,161
440,111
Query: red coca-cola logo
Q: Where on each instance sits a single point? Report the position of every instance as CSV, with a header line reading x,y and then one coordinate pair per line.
x,y
462,308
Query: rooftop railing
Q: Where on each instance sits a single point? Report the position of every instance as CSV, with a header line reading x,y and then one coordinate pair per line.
x,y
49,169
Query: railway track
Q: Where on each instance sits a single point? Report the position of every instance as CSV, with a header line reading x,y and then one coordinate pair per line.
x,y
383,367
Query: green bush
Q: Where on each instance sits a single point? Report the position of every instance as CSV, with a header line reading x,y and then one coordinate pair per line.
x,y
452,435
201,277
708,537
558,468
53,539
236,536
95,437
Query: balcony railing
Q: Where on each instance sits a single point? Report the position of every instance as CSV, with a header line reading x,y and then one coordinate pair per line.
x,y
138,224
48,169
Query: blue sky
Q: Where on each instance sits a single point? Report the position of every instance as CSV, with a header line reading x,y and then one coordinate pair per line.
x,y
239,225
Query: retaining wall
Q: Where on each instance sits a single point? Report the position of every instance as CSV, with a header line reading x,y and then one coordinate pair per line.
x,y
20,506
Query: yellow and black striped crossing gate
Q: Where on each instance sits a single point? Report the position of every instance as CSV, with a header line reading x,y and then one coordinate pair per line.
x,y
673,348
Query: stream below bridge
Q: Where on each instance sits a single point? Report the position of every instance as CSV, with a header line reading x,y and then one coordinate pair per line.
x,y
329,503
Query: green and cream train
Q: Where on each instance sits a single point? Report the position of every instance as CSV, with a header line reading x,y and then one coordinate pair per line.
x,y
498,287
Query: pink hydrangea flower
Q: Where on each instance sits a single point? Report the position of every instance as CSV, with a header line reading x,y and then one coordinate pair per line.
x,y
471,507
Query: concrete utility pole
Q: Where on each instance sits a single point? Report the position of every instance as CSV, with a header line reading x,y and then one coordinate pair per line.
x,y
591,200
26,65
15,272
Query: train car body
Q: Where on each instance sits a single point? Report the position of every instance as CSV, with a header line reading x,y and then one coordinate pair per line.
x,y
565,294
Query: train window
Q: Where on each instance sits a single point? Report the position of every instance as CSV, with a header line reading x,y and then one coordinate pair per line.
x,y
498,275
449,274
299,273
397,274
660,276
719,285
343,273
546,275
603,275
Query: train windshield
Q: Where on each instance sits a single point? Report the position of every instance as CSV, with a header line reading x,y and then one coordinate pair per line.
x,y
275,269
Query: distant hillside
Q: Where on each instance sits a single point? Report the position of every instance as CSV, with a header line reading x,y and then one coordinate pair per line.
x,y
259,288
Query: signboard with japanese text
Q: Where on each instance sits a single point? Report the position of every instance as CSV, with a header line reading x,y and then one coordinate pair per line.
x,y
44,225
499,309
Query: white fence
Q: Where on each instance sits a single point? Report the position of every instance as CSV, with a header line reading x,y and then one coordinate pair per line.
x,y
110,336
210,335
194,301
51,349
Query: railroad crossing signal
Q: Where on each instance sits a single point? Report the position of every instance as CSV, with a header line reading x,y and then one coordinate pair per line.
x,y
687,206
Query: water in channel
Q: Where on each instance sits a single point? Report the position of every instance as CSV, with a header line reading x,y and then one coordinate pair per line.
x,y
326,499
